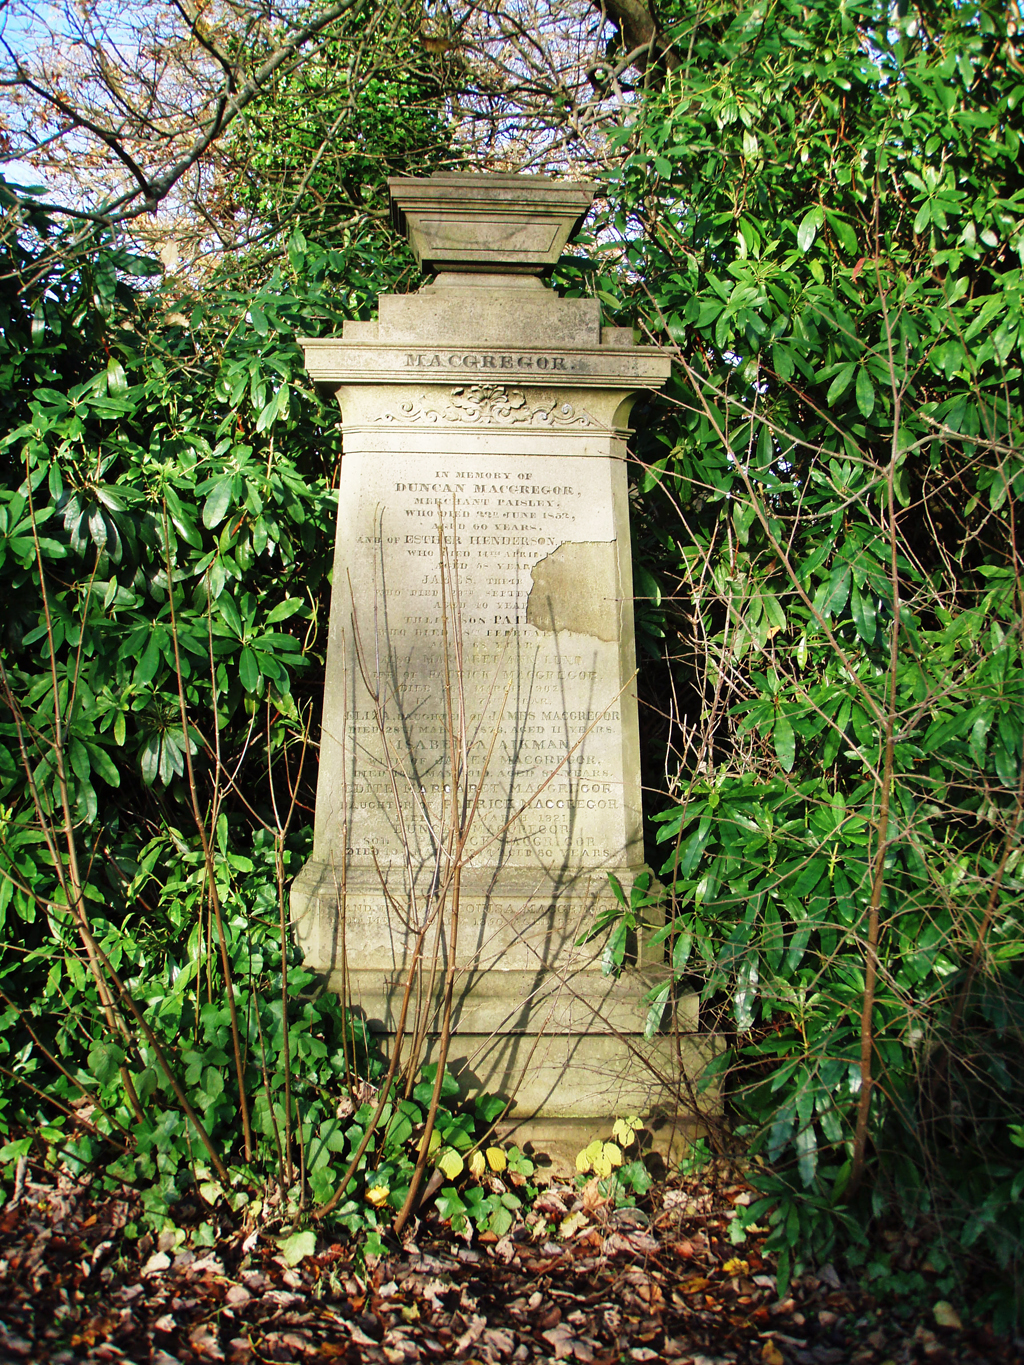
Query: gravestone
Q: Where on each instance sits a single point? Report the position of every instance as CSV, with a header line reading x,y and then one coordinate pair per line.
x,y
480,667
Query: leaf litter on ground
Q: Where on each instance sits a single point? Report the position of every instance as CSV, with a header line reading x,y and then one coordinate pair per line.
x,y
574,1280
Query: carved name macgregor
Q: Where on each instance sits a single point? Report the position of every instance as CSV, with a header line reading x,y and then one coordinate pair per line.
x,y
487,360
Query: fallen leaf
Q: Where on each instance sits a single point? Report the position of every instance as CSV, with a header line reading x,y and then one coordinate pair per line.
x,y
280,1298
157,1263
771,1355
946,1315
203,1340
563,1342
357,1334
209,1265
472,1334
550,1204
500,1340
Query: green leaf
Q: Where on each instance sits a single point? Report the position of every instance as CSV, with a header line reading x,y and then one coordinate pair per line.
x,y
117,383
838,589
500,1221
146,668
150,759
807,1153
840,383
296,1248
489,1107
782,360
745,993
646,585
425,1090
287,609
615,948
808,229
785,743
248,670
102,765
844,232
865,392
863,611
218,501
658,1001
105,1061
226,607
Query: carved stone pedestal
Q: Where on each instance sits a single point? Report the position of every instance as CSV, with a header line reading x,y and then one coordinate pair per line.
x,y
481,647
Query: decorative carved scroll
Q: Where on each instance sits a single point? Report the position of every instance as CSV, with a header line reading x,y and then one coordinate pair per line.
x,y
493,405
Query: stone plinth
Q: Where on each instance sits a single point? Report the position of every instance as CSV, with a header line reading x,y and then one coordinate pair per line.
x,y
485,422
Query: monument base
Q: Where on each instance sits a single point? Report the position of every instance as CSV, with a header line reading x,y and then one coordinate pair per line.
x,y
534,1018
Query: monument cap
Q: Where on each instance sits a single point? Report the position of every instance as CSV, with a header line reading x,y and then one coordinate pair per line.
x,y
495,224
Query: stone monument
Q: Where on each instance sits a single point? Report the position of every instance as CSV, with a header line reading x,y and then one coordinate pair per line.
x,y
480,750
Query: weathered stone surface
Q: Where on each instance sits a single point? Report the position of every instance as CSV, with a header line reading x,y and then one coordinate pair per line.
x,y
512,223
481,640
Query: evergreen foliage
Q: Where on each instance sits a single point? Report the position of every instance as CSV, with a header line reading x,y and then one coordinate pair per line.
x,y
822,211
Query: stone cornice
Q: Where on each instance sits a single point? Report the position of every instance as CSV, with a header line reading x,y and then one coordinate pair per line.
x,y
333,362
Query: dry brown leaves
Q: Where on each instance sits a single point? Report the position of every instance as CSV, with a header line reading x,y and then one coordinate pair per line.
x,y
576,1281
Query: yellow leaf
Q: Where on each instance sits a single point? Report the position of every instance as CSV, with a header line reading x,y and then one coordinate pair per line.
x,y
591,1153
477,1165
735,1267
435,1142
450,1162
607,1159
496,1158
377,1195
771,1355
626,1129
